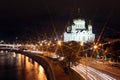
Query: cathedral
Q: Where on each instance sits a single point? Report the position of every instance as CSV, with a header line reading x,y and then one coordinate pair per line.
x,y
78,32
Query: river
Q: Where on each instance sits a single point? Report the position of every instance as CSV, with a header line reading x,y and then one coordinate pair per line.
x,y
19,67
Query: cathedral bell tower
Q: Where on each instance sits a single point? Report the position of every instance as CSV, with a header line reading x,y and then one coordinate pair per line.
x,y
90,27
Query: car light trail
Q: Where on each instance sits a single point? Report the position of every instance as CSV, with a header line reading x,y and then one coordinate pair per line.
x,y
89,73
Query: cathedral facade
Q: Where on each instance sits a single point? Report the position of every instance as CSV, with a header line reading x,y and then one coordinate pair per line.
x,y
78,32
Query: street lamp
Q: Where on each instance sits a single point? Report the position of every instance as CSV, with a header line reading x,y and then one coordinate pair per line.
x,y
95,46
48,46
41,46
81,43
59,43
82,46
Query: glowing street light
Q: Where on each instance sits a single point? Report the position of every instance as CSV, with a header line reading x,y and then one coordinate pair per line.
x,y
100,44
40,44
95,47
59,43
82,44
48,44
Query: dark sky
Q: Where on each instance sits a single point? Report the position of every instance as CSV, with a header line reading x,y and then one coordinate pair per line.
x,y
34,18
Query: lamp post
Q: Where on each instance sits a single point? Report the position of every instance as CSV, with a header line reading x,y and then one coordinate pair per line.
x,y
95,46
41,45
59,43
48,46
95,49
82,46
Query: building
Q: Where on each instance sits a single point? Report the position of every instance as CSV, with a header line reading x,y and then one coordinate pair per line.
x,y
78,32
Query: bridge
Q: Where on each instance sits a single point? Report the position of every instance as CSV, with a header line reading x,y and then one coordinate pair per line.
x,y
10,46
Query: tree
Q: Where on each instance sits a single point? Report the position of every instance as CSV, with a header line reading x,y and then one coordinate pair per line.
x,y
70,52
113,50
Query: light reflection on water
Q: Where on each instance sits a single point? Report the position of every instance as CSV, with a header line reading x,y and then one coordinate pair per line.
x,y
19,67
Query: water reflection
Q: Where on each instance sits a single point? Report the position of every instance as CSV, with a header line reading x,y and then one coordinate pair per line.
x,y
19,67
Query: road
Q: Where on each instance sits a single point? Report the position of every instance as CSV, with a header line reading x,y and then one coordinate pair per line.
x,y
90,73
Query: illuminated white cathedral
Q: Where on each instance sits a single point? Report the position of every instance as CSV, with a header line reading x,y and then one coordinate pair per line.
x,y
78,32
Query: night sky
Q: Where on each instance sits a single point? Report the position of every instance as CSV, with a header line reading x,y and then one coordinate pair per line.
x,y
27,19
